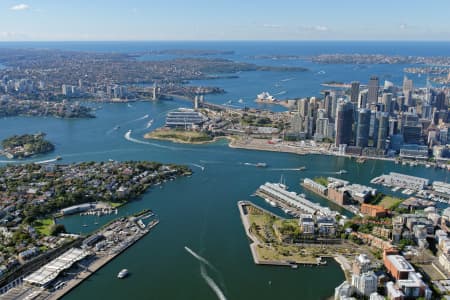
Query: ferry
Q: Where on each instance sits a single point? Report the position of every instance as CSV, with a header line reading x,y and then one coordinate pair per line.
x,y
58,157
340,172
303,168
122,274
261,165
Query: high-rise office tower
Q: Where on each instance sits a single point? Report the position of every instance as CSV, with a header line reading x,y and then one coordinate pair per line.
x,y
362,129
374,85
303,107
344,123
383,130
440,101
387,102
362,101
334,100
327,105
354,92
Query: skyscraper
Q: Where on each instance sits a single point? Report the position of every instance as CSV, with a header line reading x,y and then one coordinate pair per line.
x,y
327,105
362,129
354,92
387,102
383,130
343,123
303,107
362,101
374,84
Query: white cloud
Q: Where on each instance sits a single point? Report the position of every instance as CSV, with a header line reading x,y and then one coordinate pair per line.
x,y
272,26
403,26
318,28
12,36
321,28
21,6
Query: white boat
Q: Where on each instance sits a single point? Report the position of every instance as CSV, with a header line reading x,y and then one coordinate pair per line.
x,y
122,274
272,204
261,165
150,123
241,100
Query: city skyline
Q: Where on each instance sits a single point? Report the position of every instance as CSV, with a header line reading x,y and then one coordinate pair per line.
x,y
101,20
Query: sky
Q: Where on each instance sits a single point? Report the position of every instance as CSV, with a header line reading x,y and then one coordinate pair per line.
x,y
115,20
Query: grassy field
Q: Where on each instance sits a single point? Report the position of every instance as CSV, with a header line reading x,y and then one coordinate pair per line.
x,y
285,253
389,202
44,226
182,136
321,180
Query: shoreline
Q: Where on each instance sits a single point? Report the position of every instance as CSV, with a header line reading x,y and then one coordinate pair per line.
x,y
180,141
99,263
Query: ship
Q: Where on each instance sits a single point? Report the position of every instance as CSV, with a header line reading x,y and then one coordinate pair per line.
x,y
302,168
122,274
261,165
340,172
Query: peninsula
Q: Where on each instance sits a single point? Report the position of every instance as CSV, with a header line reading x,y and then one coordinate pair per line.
x,y
32,196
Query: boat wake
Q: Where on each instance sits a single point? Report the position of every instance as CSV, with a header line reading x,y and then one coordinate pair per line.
x,y
198,166
284,169
46,161
280,93
287,79
199,258
211,162
128,137
115,128
8,161
211,283
149,124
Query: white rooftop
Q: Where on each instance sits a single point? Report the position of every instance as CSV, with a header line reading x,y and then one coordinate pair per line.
x,y
400,263
50,271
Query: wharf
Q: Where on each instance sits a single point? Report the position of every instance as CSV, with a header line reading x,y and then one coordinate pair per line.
x,y
291,210
349,208
100,262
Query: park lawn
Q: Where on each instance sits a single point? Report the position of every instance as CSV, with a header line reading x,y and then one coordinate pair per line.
x,y
116,204
179,135
389,202
285,253
44,226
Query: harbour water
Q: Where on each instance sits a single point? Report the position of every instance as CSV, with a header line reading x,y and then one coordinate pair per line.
x,y
198,212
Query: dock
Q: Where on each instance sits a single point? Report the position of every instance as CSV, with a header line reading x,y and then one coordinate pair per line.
x,y
97,250
100,263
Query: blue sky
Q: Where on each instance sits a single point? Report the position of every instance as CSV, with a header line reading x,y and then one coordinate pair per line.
x,y
224,20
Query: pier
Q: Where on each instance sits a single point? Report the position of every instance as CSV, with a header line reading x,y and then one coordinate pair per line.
x,y
97,250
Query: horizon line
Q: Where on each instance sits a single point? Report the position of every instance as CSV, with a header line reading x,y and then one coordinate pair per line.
x,y
224,40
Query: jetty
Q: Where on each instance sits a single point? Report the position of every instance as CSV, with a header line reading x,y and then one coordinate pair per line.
x,y
59,276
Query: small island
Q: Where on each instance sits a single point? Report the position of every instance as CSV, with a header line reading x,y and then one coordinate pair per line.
x,y
23,146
